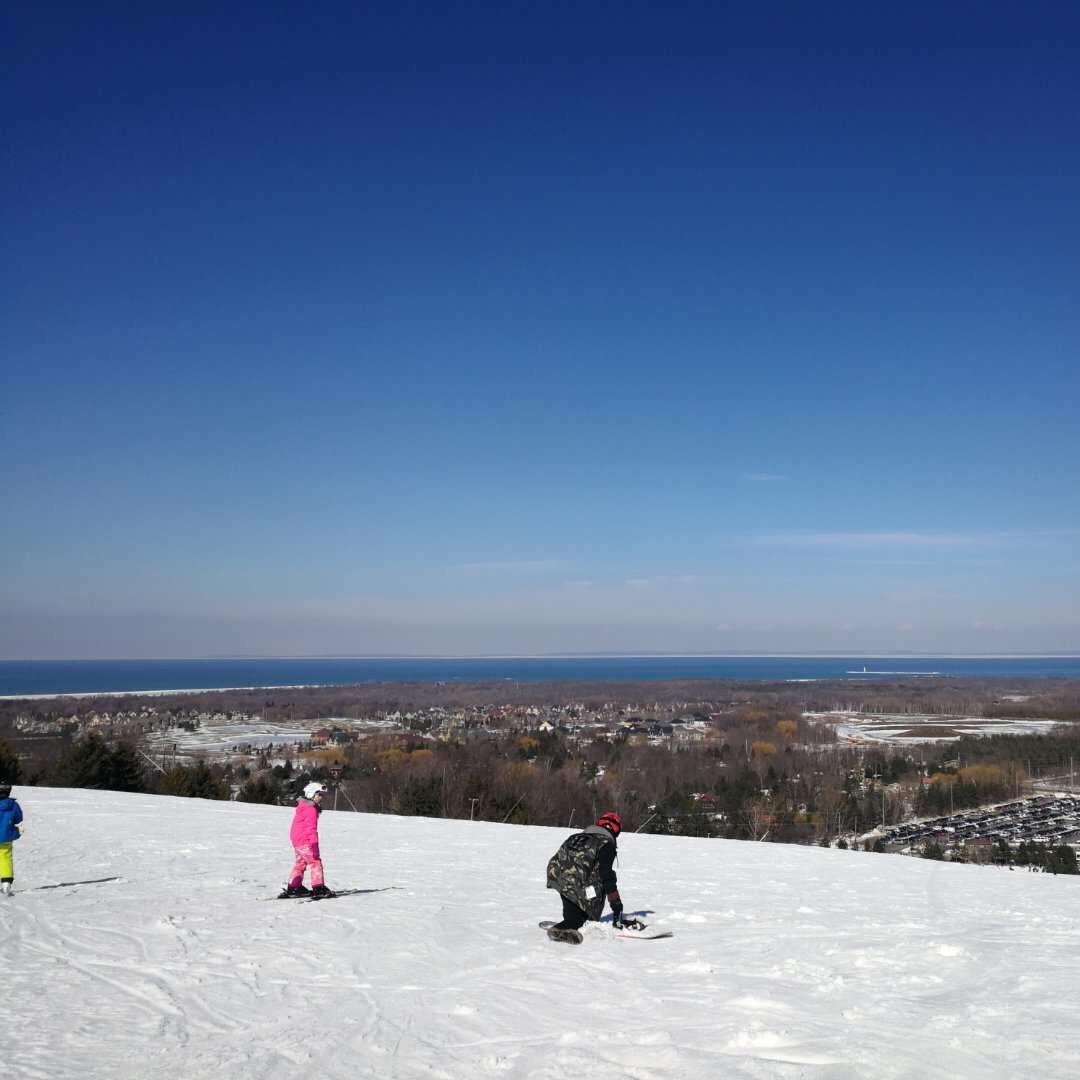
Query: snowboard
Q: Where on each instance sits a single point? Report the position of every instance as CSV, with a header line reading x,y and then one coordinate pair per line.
x,y
643,935
572,937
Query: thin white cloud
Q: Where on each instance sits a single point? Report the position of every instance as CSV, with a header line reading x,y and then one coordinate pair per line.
x,y
881,539
523,566
966,561
889,562
662,579
914,539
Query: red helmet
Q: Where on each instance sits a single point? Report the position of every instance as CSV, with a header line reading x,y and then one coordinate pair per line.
x,y
610,821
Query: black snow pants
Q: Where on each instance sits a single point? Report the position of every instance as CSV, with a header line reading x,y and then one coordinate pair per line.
x,y
573,918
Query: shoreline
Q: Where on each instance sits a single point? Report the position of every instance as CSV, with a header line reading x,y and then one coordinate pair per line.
x,y
27,680
854,678
162,693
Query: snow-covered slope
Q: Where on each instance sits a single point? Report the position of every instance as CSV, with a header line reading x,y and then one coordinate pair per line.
x,y
786,961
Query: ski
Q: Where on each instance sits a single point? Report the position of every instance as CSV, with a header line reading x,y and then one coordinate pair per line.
x,y
68,884
333,896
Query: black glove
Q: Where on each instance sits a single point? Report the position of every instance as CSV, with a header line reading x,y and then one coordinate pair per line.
x,y
622,922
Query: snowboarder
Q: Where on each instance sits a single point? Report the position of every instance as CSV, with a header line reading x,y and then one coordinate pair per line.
x,y
10,830
582,871
304,836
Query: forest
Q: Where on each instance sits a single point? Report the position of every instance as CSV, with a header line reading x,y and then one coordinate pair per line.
x,y
764,772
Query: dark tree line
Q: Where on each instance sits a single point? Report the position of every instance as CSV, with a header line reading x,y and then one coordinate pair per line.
x,y
92,762
10,769
762,774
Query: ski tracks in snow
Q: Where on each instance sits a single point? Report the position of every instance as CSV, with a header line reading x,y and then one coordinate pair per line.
x,y
787,962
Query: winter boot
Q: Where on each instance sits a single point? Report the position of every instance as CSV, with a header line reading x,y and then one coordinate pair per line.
x,y
321,892
5,888
570,937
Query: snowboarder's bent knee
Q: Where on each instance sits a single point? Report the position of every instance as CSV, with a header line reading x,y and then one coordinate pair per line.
x,y
582,871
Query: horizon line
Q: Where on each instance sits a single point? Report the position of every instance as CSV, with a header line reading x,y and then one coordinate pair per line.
x,y
613,655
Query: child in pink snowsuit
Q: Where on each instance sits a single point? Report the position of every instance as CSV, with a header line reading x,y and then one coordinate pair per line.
x,y
304,836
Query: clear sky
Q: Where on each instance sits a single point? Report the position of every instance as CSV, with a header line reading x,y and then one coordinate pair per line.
x,y
525,328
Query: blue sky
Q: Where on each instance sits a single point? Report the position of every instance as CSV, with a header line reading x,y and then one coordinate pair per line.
x,y
505,328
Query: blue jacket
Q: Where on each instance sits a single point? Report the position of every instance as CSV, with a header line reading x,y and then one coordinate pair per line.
x,y
10,816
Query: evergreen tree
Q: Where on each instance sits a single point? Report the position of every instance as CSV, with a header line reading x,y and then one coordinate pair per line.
x,y
194,782
1061,860
9,764
421,796
261,791
1030,854
125,769
86,763
91,763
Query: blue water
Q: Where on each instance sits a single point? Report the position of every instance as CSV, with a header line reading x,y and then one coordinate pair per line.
x,y
103,676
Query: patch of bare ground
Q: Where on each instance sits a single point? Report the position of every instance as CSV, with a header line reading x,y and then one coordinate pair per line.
x,y
930,731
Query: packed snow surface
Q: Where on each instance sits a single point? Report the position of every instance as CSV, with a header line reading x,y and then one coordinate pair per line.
x,y
786,961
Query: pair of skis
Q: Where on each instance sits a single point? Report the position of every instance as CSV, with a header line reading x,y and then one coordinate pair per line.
x,y
308,898
334,896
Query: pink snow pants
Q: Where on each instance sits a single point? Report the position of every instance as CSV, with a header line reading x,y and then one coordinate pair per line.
x,y
307,856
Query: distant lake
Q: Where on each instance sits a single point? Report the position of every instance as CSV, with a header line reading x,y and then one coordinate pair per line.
x,y
19,677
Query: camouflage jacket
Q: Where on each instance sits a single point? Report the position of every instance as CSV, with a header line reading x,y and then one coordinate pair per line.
x,y
582,869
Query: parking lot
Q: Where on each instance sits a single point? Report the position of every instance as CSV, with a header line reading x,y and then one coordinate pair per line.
x,y
1049,819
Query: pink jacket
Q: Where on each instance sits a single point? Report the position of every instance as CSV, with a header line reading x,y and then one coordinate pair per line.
x,y
305,824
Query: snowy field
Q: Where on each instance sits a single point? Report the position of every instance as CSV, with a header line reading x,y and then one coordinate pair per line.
x,y
786,961
212,740
902,729
219,740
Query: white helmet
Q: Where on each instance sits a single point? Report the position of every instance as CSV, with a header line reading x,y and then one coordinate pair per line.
x,y
313,789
